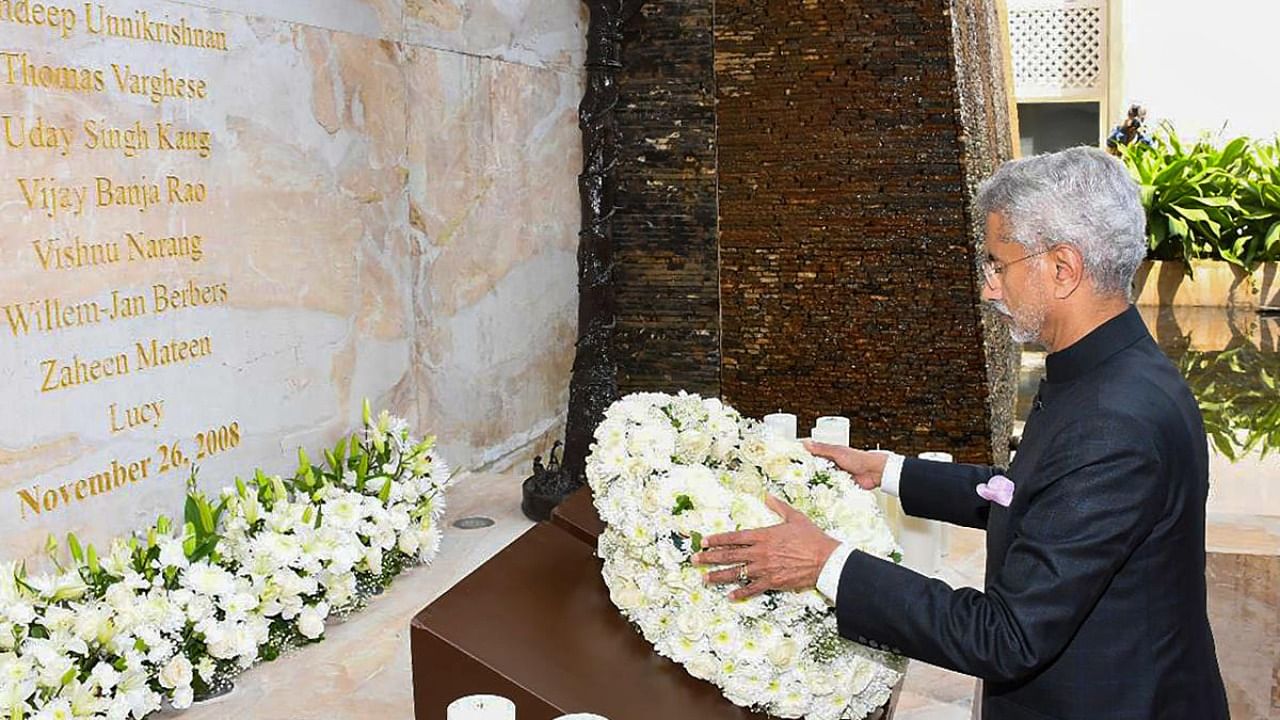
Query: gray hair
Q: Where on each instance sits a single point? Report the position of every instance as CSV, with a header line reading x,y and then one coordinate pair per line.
x,y
1080,197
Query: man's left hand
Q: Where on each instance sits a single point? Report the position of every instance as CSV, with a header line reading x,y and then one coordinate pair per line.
x,y
787,556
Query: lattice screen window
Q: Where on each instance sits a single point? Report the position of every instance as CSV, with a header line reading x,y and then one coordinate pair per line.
x,y
1059,48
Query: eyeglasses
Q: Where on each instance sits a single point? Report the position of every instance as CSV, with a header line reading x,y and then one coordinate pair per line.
x,y
992,268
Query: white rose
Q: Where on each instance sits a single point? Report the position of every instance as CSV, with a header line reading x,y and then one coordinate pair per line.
x,y
783,653
705,667
183,697
311,621
176,673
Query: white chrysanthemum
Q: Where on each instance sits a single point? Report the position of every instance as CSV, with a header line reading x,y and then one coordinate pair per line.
x,y
209,580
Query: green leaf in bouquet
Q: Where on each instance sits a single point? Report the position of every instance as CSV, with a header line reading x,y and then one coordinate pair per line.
x,y
683,503
206,518
696,539
190,512
91,558
204,549
384,495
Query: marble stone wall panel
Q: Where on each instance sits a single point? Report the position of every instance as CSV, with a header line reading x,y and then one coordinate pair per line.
x,y
305,221
370,18
493,150
540,33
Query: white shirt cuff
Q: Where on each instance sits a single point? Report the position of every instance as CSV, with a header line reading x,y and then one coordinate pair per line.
x,y
892,476
829,579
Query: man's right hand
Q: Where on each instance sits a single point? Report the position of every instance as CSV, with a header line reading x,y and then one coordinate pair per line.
x,y
867,468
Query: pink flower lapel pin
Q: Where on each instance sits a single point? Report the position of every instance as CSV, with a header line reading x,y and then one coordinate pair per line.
x,y
999,490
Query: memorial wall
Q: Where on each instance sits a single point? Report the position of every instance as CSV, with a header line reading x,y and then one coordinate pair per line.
x,y
223,224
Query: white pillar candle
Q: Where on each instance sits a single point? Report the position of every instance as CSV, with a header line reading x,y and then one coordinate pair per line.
x,y
481,707
922,539
944,534
781,425
832,430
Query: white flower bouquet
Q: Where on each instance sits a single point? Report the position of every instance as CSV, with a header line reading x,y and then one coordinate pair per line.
x,y
667,471
173,613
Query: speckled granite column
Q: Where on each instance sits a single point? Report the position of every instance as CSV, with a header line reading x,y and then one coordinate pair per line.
x,y
851,137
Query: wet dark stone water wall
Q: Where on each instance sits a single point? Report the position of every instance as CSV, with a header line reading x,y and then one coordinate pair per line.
x,y
668,274
797,231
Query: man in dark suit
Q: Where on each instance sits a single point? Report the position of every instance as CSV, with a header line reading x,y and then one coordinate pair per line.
x,y
1094,601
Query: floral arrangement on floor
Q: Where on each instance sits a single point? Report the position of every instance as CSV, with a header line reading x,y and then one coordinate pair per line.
x,y
173,613
667,471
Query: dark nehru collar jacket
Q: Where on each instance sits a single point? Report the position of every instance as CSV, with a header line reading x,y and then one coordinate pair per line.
x,y
1094,604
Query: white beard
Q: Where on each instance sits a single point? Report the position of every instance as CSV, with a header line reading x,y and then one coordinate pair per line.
x,y
1024,329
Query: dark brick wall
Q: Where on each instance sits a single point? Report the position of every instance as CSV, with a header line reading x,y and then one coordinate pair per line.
x,y
846,144
665,233
847,258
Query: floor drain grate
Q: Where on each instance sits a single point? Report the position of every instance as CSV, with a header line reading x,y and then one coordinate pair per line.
x,y
473,523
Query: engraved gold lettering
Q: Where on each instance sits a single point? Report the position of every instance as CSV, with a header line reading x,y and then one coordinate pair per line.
x,y
38,499
19,134
141,195
199,142
25,12
59,375
141,27
142,247
54,254
126,306
129,141
20,70
45,194
128,418
50,314
165,299
182,193
158,87
155,354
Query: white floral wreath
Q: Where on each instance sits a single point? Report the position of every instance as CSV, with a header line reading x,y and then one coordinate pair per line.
x,y
668,470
